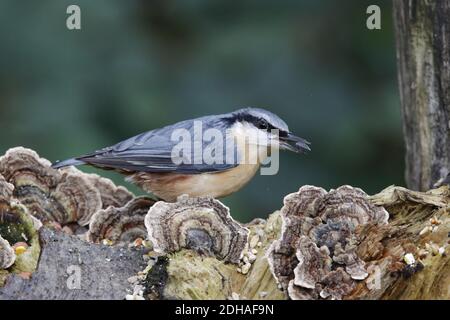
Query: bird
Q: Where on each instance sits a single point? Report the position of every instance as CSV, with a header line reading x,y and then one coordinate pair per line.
x,y
150,159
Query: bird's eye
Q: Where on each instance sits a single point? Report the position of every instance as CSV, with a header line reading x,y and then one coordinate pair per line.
x,y
263,124
282,133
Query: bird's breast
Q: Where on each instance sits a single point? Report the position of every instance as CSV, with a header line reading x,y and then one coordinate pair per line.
x,y
169,186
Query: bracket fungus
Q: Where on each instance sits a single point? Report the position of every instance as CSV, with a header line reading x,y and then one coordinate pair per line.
x,y
316,255
111,195
120,224
64,196
7,256
6,191
203,224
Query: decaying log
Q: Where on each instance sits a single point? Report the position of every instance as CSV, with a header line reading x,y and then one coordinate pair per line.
x,y
337,244
419,225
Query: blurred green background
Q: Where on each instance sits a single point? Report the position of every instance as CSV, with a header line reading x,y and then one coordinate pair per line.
x,y
139,65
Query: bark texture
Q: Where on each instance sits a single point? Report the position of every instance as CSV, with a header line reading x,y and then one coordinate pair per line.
x,y
102,270
423,56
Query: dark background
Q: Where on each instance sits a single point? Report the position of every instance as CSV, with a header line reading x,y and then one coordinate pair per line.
x,y
139,65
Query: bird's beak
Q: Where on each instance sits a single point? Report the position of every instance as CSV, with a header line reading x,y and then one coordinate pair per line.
x,y
294,143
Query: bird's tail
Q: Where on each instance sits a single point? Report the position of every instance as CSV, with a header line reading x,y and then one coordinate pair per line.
x,y
66,163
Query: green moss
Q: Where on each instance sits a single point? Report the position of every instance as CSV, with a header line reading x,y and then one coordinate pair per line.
x,y
11,228
192,276
3,275
18,226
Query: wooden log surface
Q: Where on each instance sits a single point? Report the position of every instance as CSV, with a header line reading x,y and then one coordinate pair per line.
x,y
189,274
103,271
423,58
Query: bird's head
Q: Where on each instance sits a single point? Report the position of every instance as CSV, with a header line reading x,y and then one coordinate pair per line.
x,y
260,122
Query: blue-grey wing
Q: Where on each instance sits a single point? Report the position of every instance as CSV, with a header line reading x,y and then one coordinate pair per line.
x,y
176,148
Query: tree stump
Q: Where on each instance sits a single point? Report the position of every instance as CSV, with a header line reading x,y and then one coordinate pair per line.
x,y
423,56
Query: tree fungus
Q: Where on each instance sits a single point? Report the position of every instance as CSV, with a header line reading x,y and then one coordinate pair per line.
x,y
62,196
203,224
316,255
123,224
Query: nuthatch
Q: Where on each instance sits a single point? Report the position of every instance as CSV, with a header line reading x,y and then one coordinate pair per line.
x,y
151,161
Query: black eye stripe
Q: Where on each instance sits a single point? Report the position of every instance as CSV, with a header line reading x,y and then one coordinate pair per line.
x,y
267,126
257,122
263,124
282,133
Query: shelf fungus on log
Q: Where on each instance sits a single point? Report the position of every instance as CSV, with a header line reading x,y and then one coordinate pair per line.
x,y
64,196
188,275
202,224
6,191
111,195
7,255
316,255
124,224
